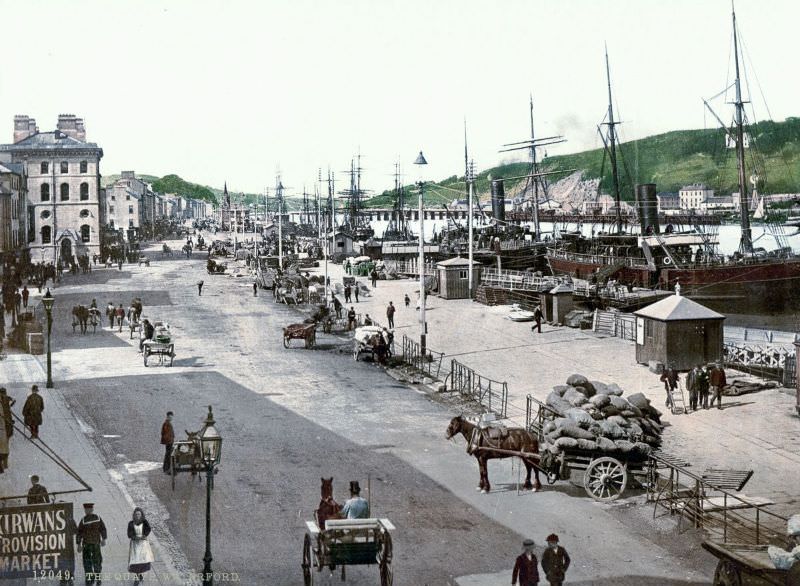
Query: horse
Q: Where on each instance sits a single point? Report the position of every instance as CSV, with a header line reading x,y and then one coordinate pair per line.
x,y
482,446
80,316
328,508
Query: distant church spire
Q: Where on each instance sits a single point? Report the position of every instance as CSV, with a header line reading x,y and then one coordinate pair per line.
x,y
225,196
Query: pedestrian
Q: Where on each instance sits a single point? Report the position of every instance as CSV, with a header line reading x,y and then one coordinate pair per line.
x,y
718,381
199,287
374,275
367,320
6,403
120,315
537,317
110,311
25,294
526,567
693,385
32,411
4,444
351,319
355,290
670,379
120,261
356,507
703,388
90,537
255,289
140,555
18,301
167,439
337,306
419,300
37,494
407,299
390,314
555,561
147,333
347,293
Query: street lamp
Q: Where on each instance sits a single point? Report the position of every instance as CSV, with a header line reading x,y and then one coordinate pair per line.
x,y
211,446
48,300
421,164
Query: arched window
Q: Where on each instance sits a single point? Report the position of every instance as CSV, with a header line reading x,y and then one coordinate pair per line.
x,y
44,191
45,234
45,169
64,191
84,191
64,167
84,167
86,233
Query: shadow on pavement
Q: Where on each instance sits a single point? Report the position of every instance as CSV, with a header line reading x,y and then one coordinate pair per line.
x,y
635,581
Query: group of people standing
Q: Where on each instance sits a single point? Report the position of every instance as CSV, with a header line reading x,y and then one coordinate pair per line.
x,y
701,382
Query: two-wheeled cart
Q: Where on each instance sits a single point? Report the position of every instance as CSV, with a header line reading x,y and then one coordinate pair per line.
x,y
745,564
165,351
305,332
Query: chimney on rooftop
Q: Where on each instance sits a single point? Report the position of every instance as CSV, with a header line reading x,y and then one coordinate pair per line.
x,y
24,126
72,126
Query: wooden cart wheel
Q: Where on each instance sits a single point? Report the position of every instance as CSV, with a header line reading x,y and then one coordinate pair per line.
x,y
727,574
308,574
285,341
605,479
385,562
172,470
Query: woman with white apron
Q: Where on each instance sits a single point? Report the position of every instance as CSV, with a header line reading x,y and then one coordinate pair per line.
x,y
140,556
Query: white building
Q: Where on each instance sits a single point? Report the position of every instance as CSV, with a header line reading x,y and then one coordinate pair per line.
x,y
692,197
124,207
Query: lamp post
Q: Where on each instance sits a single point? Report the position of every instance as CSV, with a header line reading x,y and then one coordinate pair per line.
x,y
423,326
211,445
47,301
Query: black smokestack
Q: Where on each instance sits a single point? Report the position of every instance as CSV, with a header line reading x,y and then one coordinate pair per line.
x,y
647,206
498,200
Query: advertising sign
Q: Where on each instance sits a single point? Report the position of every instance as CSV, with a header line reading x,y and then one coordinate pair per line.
x,y
37,541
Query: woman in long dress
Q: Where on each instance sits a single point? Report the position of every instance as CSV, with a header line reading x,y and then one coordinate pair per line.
x,y
140,556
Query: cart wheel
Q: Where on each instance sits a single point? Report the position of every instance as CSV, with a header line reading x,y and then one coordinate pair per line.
x,y
385,560
285,341
172,472
308,574
605,479
146,353
727,574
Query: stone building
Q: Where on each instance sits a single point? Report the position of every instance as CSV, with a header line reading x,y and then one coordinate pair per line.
x,y
125,205
66,207
13,210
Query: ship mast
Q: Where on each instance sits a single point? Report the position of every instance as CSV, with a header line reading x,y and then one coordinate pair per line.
x,y
746,241
534,171
612,152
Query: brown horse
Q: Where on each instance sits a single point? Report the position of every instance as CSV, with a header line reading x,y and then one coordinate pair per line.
x,y
80,317
480,445
328,508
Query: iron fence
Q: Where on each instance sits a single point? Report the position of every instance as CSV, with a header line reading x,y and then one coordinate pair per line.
x,y
429,363
763,360
490,393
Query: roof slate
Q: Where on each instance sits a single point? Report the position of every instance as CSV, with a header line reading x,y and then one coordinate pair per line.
x,y
677,308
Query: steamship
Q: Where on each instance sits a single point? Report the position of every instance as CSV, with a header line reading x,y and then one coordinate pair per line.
x,y
752,280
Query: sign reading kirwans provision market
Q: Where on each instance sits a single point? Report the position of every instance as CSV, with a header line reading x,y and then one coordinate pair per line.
x,y
36,541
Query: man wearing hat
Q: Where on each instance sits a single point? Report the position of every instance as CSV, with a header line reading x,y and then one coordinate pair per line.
x,y
526,566
32,411
355,507
555,561
91,536
37,494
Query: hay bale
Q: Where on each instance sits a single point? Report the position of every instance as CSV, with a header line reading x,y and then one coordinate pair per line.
x,y
574,397
565,443
577,379
580,416
620,402
559,389
600,400
609,411
604,444
624,446
613,389
585,444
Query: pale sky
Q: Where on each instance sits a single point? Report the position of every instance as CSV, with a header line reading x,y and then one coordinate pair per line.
x,y
235,90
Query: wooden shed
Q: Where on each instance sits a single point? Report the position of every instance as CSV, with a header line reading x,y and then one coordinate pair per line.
x,y
679,332
454,277
342,243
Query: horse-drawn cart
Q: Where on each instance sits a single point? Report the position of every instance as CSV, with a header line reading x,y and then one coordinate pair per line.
x,y
164,350
741,564
187,456
348,542
369,340
306,332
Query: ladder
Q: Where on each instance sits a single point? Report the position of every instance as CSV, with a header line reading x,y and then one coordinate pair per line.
x,y
678,402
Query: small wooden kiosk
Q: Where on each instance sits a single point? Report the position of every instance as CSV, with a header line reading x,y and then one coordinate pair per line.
x,y
454,277
678,332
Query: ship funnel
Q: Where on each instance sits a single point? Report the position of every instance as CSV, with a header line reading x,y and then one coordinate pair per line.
x,y
647,207
498,200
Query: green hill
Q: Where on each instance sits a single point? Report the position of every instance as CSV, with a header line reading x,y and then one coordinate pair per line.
x,y
670,160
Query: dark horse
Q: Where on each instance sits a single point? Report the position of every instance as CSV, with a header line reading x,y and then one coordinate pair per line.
x,y
328,508
80,316
483,447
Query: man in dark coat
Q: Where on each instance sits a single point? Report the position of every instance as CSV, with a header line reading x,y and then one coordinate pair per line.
x,y
167,439
555,561
526,566
670,379
703,387
390,314
537,316
6,403
347,293
32,411
693,386
37,494
91,536
718,381
25,294
351,318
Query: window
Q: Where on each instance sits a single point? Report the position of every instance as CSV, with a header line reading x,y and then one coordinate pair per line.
x,y
130,223
45,234
64,167
85,213
113,198
65,192
130,209
84,167
84,191
45,169
86,233
463,274
110,209
128,197
111,223
45,214
44,191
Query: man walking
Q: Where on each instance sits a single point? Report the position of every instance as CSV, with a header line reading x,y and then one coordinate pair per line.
x,y
355,290
718,382
374,276
37,494
32,411
120,315
25,294
351,319
255,289
110,311
670,379
703,389
390,315
693,385
90,537
347,293
407,300
537,316
167,439
526,567
555,561
199,287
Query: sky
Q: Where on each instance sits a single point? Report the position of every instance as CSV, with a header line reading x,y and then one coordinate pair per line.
x,y
239,90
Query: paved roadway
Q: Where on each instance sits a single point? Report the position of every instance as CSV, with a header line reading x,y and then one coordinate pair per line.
x,y
289,417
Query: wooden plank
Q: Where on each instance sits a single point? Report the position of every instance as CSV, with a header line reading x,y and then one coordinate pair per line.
x,y
312,527
387,524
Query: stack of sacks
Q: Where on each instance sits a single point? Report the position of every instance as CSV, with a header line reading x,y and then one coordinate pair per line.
x,y
595,416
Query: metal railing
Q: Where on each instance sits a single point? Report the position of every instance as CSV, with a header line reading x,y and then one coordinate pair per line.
x,y
490,393
536,415
763,360
429,363
519,280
